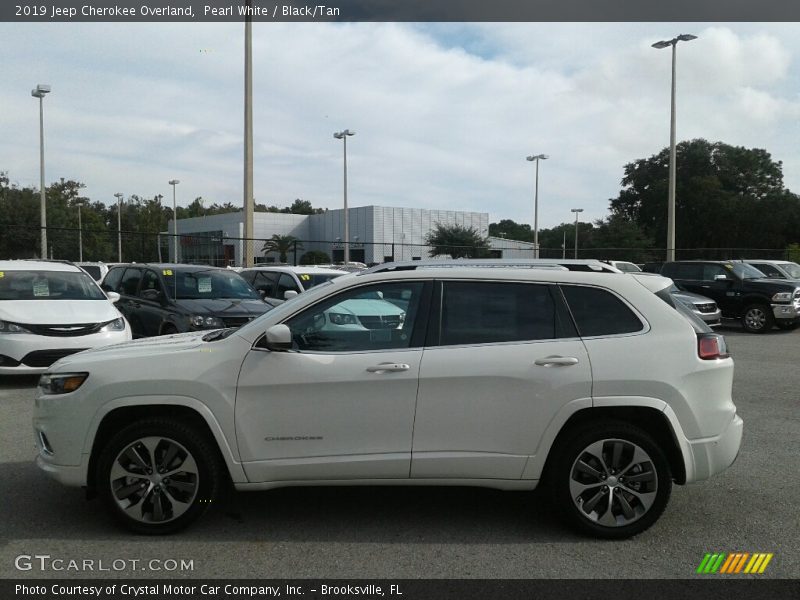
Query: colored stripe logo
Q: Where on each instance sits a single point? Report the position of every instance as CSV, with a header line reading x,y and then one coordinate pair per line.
x,y
734,563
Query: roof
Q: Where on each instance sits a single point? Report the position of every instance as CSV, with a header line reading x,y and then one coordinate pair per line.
x,y
175,266
38,265
311,270
516,263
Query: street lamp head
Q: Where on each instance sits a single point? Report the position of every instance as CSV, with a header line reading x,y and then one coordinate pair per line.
x,y
40,90
341,134
577,210
538,157
662,44
687,37
118,195
174,182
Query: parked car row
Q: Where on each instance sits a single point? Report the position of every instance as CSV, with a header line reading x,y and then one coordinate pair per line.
x,y
759,293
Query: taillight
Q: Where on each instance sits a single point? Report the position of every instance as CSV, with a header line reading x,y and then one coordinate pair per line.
x,y
711,346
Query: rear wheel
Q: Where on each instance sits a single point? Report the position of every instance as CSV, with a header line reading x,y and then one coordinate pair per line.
x,y
758,318
158,475
610,480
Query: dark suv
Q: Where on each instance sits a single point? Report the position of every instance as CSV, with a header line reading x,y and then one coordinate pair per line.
x,y
741,291
160,299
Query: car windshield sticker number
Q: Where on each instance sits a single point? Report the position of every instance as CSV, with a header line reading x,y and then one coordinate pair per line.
x,y
167,272
40,288
2,274
305,277
204,285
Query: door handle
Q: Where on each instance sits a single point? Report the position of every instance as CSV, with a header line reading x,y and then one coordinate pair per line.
x,y
383,367
556,361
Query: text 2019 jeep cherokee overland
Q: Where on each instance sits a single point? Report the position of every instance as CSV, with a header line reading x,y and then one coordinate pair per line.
x,y
501,378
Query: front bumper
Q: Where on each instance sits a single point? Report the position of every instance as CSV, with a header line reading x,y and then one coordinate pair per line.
x,y
709,456
786,312
28,353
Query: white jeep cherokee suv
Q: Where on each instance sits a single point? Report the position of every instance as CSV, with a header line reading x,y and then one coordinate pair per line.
x,y
504,378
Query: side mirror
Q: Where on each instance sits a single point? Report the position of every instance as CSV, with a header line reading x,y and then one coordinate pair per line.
x,y
289,294
279,338
113,296
151,295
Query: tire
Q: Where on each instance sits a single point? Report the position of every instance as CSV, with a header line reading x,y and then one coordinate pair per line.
x,y
786,324
139,494
578,479
757,318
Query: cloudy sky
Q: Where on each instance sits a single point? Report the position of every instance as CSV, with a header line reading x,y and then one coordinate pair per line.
x,y
444,114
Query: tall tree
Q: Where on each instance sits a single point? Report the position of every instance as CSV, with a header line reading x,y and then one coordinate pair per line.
x,y
457,241
715,184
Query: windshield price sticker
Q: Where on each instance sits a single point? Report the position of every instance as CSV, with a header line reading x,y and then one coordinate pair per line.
x,y
40,288
167,272
305,277
2,274
204,285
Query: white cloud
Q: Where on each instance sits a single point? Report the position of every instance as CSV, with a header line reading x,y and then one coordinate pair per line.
x,y
444,114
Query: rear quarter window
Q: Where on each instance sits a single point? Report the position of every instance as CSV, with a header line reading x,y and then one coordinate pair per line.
x,y
599,312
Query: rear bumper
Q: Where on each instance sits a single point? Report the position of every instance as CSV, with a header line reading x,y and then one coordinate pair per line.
x,y
709,456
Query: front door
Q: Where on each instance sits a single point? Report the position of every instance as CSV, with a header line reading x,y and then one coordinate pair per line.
x,y
340,405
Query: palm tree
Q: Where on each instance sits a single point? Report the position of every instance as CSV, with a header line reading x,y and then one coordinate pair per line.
x,y
282,244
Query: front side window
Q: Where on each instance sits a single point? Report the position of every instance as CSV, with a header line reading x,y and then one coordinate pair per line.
x,y
150,282
285,284
112,279
130,282
48,285
599,312
478,312
368,318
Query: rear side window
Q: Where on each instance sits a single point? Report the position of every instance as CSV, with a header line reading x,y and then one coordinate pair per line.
x,y
487,312
599,312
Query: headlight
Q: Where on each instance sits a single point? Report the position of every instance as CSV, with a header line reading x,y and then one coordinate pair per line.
x,y
6,327
201,321
342,319
115,325
61,383
782,297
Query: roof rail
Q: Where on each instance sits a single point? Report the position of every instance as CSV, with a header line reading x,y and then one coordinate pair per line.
x,y
514,263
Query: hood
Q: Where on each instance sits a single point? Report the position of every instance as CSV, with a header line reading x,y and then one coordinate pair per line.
x,y
692,298
783,285
143,347
224,307
58,312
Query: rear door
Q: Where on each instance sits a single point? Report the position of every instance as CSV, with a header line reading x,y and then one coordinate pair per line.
x,y
501,360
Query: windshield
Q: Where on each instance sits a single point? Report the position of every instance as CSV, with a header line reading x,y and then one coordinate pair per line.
x,y
309,280
745,271
211,284
48,285
792,269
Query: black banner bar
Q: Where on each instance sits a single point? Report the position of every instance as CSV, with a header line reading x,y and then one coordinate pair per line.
x,y
705,587
401,10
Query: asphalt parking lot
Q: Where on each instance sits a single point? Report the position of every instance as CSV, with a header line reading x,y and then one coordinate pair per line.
x,y
434,532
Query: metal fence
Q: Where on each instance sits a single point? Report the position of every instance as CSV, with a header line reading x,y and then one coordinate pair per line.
x,y
111,246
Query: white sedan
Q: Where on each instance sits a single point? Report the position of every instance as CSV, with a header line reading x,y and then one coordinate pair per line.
x,y
49,310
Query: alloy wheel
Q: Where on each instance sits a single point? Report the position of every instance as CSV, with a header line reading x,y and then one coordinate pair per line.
x,y
154,480
613,482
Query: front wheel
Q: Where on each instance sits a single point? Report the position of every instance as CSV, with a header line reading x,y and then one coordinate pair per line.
x,y
757,318
610,480
158,475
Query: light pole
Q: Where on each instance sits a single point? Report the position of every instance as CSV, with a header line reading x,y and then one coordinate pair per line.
x,y
248,203
173,183
576,211
39,92
536,158
685,37
342,135
80,236
119,196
